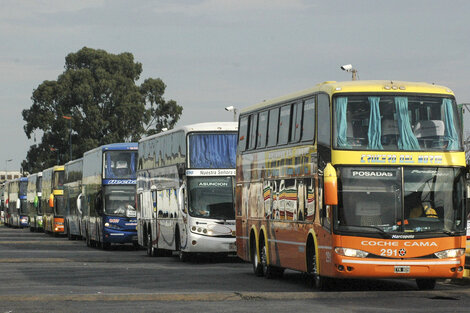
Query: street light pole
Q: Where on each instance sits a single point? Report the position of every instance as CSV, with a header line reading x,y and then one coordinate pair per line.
x,y
234,110
6,162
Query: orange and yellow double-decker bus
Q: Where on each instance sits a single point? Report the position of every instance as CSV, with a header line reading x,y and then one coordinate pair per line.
x,y
359,179
52,200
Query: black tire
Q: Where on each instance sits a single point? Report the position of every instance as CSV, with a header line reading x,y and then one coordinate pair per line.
x,y
257,266
320,282
69,235
184,256
426,284
87,239
269,270
105,245
150,249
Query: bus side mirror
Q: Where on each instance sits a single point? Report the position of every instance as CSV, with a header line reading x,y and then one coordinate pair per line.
x,y
181,200
330,185
79,203
51,201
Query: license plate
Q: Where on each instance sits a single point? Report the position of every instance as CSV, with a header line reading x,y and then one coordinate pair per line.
x,y
402,269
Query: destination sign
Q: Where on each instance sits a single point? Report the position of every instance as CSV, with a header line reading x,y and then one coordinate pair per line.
x,y
119,181
391,158
211,172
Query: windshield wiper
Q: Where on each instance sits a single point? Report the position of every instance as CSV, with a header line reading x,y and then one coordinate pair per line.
x,y
449,232
377,229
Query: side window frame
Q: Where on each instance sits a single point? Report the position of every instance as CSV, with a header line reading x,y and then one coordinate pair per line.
x,y
296,121
306,105
284,130
273,121
243,133
262,129
253,131
323,112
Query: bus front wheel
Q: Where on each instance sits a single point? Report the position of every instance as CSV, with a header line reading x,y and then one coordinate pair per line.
x,y
320,282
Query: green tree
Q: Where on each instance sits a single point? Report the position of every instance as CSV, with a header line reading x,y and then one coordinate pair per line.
x,y
98,91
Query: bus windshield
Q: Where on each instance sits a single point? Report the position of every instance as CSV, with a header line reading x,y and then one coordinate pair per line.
x,y
119,200
23,188
59,180
386,122
211,197
59,205
23,206
374,200
120,164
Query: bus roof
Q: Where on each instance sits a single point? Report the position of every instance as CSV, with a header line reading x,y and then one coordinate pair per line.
x,y
73,162
202,127
332,87
37,174
115,146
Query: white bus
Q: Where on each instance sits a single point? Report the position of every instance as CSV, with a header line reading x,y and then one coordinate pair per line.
x,y
185,190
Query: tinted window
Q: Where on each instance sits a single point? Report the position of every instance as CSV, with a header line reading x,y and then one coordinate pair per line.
x,y
272,130
296,122
242,132
284,125
262,128
308,126
324,117
253,131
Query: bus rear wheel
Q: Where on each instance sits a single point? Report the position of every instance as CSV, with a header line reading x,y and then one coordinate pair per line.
x,y
269,270
426,284
257,266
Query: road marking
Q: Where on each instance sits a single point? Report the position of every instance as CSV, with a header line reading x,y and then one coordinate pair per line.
x,y
207,296
36,242
34,260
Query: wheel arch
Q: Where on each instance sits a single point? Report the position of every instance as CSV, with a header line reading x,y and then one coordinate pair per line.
x,y
311,243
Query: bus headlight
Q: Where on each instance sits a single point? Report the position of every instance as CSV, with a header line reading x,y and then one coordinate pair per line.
x,y
106,224
351,252
451,253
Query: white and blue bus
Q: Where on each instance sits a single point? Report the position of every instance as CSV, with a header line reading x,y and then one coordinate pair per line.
x,y
108,188
185,190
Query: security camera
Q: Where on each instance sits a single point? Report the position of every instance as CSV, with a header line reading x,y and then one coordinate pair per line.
x,y
230,108
347,67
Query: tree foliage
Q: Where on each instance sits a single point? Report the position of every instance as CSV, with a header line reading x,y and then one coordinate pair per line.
x,y
98,91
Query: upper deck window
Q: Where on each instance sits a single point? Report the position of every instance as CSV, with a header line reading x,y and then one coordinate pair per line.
x,y
58,182
120,164
384,122
212,150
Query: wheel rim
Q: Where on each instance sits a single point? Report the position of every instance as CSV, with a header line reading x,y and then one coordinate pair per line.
x,y
314,266
264,259
149,245
255,257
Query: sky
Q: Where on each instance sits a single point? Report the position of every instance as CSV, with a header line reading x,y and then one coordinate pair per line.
x,y
214,53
